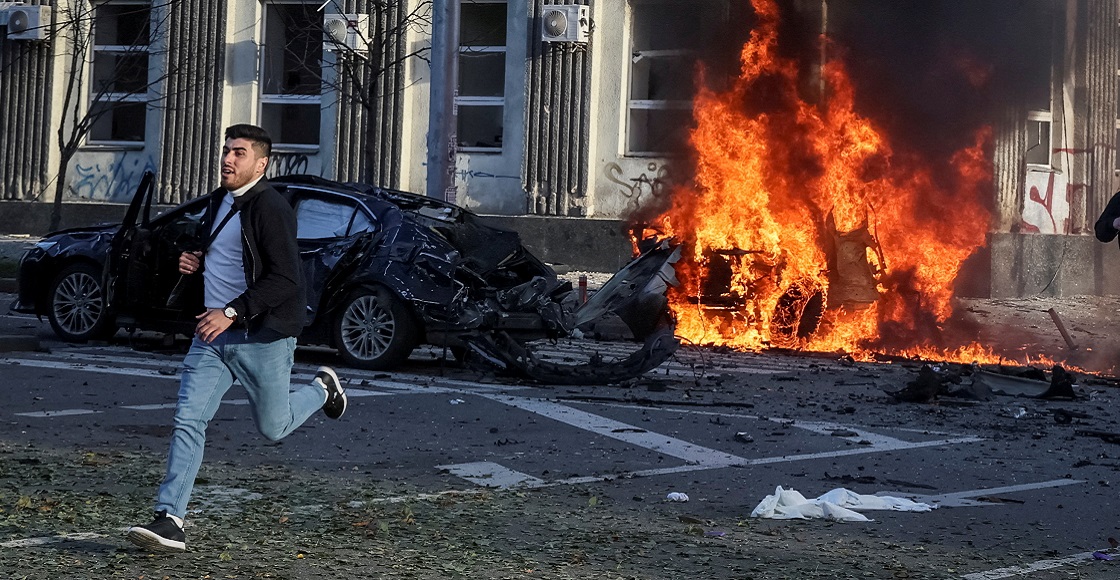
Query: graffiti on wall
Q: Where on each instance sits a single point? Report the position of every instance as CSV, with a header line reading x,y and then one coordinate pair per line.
x,y
1046,207
292,163
115,180
651,183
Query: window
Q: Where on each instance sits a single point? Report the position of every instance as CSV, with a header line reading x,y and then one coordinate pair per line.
x,y
1039,145
665,37
291,73
482,75
119,72
1038,86
321,219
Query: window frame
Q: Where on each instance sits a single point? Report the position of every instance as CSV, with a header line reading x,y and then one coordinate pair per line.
x,y
476,101
280,98
1040,117
632,105
94,97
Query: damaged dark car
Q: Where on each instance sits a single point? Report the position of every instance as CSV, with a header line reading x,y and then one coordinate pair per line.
x,y
385,272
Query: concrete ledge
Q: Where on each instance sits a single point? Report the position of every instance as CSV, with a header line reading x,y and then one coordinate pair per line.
x,y
586,244
34,218
15,343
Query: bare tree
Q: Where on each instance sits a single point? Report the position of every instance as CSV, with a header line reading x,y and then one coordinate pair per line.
x,y
124,78
372,69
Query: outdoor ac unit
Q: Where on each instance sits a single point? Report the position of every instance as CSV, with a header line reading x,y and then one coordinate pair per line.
x,y
4,7
565,23
345,31
29,22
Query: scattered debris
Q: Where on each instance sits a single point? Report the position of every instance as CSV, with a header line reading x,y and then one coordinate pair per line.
x,y
744,437
931,383
1106,436
1065,416
839,504
935,381
677,496
860,479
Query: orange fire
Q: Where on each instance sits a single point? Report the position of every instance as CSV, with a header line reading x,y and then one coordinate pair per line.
x,y
794,204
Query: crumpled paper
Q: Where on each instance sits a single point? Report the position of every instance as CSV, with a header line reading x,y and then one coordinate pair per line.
x,y
839,504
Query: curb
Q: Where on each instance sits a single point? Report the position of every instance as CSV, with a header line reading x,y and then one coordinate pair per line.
x,y
13,343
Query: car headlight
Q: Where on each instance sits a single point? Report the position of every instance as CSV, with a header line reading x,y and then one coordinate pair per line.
x,y
45,245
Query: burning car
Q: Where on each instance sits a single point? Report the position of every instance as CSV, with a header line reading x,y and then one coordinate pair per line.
x,y
385,271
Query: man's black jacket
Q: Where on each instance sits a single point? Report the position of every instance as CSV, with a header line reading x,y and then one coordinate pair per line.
x,y
275,298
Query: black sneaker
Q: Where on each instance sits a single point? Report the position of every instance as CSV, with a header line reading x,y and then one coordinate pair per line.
x,y
163,534
336,397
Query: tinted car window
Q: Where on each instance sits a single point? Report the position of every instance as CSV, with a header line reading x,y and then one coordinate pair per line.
x,y
184,231
361,223
320,218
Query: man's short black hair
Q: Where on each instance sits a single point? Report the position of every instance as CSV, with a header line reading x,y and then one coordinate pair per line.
x,y
262,143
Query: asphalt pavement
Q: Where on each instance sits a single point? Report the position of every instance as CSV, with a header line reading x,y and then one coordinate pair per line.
x,y
441,471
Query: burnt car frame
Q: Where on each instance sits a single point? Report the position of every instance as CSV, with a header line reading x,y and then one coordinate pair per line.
x,y
385,271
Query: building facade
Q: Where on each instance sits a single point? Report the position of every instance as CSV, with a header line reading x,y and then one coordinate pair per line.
x,y
590,126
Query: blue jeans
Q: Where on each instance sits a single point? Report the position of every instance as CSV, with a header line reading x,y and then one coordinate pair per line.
x,y
264,369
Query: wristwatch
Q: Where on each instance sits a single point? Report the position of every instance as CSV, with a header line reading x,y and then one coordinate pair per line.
x,y
230,313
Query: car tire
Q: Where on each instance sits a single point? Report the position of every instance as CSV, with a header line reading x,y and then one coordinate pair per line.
x,y
77,310
375,329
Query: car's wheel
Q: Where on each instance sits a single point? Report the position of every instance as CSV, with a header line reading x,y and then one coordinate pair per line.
x,y
375,329
77,304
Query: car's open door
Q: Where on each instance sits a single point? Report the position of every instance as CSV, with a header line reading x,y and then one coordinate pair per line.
x,y
136,217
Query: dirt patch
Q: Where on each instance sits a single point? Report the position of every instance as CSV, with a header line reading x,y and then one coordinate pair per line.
x,y
294,524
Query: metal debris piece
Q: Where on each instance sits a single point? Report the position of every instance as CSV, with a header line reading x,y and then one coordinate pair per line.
x,y
1106,436
1060,385
1062,329
931,383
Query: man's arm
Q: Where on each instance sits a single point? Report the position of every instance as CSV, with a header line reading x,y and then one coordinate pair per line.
x,y
1107,227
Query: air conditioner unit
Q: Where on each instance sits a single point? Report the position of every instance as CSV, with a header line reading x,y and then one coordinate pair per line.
x,y
345,31
565,23
4,7
29,22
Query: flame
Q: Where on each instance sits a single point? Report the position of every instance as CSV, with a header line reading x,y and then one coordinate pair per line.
x,y
782,193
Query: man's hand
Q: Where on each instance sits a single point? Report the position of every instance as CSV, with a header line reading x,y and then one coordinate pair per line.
x,y
189,262
211,323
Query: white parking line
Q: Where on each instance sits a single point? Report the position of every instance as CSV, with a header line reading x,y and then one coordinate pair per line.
x,y
1038,566
599,425
697,457
488,474
58,413
961,498
42,541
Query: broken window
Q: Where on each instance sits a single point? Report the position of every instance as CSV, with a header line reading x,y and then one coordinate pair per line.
x,y
119,74
319,219
665,38
291,73
1039,145
480,100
